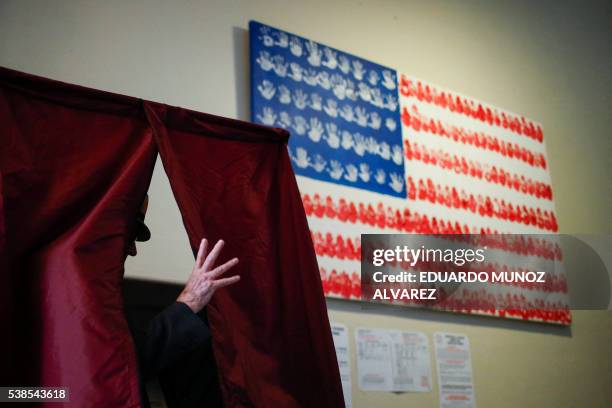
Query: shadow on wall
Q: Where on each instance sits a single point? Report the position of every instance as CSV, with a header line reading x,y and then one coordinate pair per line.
x,y
240,38
588,278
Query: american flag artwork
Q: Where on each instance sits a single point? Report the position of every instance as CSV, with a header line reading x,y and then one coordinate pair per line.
x,y
376,151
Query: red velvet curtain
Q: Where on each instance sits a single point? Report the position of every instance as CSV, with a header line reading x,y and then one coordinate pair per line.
x,y
75,164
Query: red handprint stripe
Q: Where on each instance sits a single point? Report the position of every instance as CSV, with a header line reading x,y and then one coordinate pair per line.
x,y
407,221
485,206
477,170
419,122
341,283
468,107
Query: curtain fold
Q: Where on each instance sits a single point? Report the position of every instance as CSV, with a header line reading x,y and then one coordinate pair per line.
x,y
75,164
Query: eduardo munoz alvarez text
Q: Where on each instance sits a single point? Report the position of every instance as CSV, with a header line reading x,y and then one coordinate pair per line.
x,y
459,257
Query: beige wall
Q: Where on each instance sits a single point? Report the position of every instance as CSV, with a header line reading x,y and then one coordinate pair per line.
x,y
548,61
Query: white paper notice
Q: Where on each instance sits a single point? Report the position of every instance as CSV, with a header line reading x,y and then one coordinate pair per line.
x,y
410,361
454,370
340,335
392,360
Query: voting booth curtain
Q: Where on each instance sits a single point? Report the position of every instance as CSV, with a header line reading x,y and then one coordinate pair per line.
x,y
75,165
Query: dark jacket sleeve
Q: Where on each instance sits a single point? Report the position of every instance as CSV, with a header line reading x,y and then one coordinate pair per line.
x,y
171,335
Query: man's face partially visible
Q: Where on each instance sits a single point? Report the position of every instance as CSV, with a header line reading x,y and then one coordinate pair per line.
x,y
143,211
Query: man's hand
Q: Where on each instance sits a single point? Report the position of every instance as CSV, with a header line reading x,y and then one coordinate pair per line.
x,y
204,281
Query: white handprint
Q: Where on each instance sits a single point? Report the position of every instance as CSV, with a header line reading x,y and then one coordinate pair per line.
x,y
319,163
384,150
347,113
375,120
296,72
266,89
344,64
364,172
336,170
350,90
280,66
295,46
398,155
373,77
358,70
300,125
330,58
388,79
364,92
266,38
282,39
314,53
347,140
333,140
310,76
331,108
268,117
396,183
284,120
380,176
316,101
284,95
316,130
390,124
265,60
300,99
359,145
362,116
301,159
323,80
377,98
391,102
351,173
338,86
371,145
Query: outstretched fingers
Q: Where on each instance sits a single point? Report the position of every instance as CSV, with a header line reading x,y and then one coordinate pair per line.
x,y
201,253
220,283
210,260
221,269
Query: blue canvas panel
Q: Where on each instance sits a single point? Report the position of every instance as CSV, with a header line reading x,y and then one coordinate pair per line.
x,y
342,111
